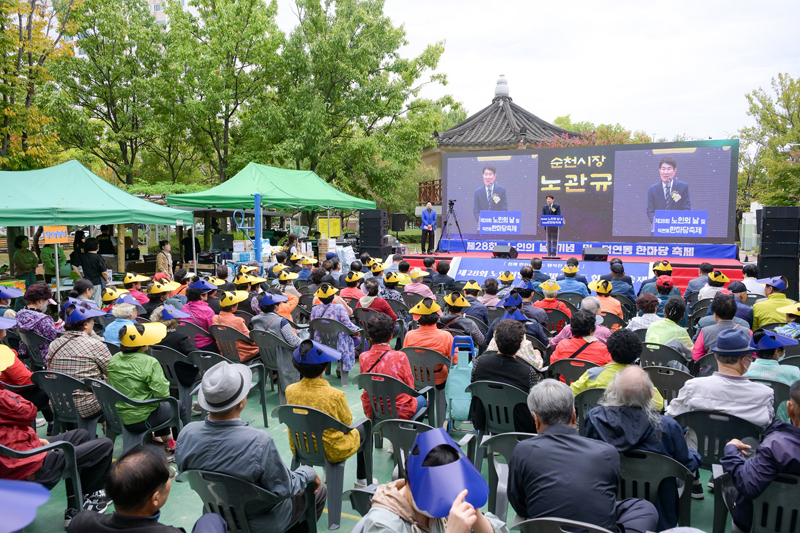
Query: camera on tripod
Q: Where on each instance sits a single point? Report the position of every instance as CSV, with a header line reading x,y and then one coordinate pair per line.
x,y
451,204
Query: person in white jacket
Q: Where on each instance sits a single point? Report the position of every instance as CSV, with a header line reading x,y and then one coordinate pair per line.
x,y
727,390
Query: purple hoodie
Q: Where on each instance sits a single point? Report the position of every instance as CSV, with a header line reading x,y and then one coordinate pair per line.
x,y
36,322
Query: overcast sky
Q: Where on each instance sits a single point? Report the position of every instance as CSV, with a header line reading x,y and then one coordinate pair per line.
x,y
668,68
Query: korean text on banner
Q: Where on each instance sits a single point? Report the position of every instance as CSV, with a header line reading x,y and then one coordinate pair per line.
x,y
56,235
500,222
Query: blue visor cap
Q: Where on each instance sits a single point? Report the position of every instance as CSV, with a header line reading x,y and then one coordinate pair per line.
x,y
173,313
516,315
19,501
10,293
435,488
317,355
8,323
272,299
772,340
76,301
128,299
512,300
83,312
776,282
203,285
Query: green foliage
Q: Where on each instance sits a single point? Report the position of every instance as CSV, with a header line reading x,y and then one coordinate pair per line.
x,y
767,172
163,188
103,103
593,135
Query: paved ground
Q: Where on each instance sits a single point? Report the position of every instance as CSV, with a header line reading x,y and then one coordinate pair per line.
x,y
183,507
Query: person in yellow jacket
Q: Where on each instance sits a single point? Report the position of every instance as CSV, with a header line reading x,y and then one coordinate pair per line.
x,y
769,311
625,348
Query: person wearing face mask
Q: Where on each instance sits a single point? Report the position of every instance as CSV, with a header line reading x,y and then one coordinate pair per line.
x,y
33,317
441,493
728,390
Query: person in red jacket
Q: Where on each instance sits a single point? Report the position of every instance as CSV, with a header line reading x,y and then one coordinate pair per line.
x,y
371,300
583,345
93,455
18,374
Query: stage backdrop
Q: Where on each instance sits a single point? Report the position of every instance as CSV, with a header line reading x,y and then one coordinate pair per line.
x,y
610,194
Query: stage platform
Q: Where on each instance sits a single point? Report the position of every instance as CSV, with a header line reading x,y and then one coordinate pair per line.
x,y
471,265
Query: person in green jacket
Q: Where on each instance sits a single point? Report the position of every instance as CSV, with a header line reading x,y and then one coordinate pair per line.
x,y
140,377
49,261
25,261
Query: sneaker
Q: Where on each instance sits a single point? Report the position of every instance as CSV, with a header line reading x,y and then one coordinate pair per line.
x,y
196,409
98,502
41,422
710,484
362,483
170,457
69,514
49,429
697,491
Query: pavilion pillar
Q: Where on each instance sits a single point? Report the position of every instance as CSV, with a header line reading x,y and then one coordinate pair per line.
x,y
120,248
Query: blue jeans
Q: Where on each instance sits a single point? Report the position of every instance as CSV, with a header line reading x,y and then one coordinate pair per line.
x,y
422,403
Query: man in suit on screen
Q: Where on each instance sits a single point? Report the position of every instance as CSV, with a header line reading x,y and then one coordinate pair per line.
x,y
490,197
551,208
670,194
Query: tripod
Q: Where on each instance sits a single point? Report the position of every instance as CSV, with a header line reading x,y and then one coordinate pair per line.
x,y
451,212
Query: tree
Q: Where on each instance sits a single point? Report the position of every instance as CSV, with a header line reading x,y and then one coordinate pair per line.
x,y
229,55
591,135
347,104
103,101
31,40
770,173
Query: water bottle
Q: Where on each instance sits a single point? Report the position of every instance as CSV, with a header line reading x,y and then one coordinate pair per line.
x,y
396,246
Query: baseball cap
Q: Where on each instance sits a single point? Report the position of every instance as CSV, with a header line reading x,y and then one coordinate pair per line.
x,y
665,282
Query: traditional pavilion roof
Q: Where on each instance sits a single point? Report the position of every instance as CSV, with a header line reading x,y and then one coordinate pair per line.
x,y
499,125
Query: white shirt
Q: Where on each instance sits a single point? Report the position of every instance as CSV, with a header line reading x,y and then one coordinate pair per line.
x,y
708,292
754,287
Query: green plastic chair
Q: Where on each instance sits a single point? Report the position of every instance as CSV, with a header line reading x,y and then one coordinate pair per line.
x,y
776,510
584,401
423,361
556,525
570,369
654,354
714,430
60,389
780,389
70,473
668,381
504,445
401,433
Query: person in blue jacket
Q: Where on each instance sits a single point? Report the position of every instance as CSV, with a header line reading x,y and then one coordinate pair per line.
x,y
428,228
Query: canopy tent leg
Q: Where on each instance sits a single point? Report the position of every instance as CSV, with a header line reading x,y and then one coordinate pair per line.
x,y
120,248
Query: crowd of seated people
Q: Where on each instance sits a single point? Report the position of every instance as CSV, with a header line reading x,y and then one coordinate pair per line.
x,y
631,415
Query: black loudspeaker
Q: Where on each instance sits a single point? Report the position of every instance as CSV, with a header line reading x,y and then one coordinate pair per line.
x,y
372,226
595,254
780,249
781,266
504,252
782,212
377,251
780,224
398,221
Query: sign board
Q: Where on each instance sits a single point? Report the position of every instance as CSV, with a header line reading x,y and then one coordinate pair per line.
x,y
500,222
336,227
56,235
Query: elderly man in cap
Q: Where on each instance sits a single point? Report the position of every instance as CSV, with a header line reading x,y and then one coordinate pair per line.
x,y
229,304
723,318
417,286
665,289
573,262
550,290
743,311
133,284
778,453
476,308
768,311
716,283
225,444
621,283
536,487
377,269
623,276
660,268
727,390
308,264
570,283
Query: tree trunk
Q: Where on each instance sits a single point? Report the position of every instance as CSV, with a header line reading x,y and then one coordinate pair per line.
x,y
121,248
207,231
35,242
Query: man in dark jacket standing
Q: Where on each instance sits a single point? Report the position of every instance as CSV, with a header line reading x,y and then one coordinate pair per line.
x,y
778,453
580,478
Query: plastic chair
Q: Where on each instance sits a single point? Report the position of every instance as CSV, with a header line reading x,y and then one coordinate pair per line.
x,y
775,510
70,469
399,308
401,433
351,302
610,320
569,369
306,426
112,348
584,401
60,388
191,330
556,320
781,391
793,361
34,341
360,501
301,316
104,321
641,333
626,302
499,401
411,299
714,430
244,315
572,308
654,354
306,301
556,525
382,391
109,397
329,331
572,297
643,472
478,322
495,313
668,381
423,361
226,495
504,445
772,325
167,357
752,298
692,298
276,355
707,362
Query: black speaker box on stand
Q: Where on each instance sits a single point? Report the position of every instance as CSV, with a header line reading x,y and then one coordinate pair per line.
x,y
505,252
595,254
770,266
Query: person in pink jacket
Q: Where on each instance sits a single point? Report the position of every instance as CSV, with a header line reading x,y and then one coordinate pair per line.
x,y
202,314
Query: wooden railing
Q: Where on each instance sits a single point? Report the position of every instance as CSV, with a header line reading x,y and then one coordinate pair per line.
x,y
430,191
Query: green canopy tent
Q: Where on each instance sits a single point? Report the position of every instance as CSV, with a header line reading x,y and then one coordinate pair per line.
x,y
279,188
71,194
